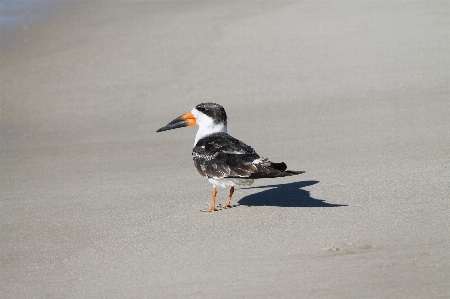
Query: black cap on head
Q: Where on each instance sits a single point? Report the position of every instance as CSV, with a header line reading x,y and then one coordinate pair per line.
x,y
213,110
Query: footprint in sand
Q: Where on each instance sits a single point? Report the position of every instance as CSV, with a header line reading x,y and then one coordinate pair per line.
x,y
349,248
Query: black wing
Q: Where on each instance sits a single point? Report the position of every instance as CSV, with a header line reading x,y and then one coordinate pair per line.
x,y
220,155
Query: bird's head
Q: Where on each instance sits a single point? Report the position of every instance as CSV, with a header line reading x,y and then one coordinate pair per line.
x,y
210,118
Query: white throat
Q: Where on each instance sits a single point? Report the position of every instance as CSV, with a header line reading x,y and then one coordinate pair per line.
x,y
206,125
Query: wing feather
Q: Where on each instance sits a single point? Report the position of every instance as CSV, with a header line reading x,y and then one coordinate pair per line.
x,y
220,155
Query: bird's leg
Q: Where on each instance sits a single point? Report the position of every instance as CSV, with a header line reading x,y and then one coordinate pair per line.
x,y
213,208
229,198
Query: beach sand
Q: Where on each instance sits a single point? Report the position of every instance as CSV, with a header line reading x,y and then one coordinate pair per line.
x,y
96,204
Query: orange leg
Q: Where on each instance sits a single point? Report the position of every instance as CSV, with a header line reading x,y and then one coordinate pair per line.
x,y
213,205
229,198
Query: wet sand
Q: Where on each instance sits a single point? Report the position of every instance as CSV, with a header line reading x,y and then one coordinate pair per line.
x,y
96,204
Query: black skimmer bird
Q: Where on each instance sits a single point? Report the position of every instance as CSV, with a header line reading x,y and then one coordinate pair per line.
x,y
224,160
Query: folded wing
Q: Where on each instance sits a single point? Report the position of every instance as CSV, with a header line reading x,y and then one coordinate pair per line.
x,y
220,155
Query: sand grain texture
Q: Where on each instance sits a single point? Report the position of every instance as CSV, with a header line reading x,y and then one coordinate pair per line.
x,y
95,204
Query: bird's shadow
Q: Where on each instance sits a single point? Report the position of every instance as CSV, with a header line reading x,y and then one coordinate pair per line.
x,y
285,195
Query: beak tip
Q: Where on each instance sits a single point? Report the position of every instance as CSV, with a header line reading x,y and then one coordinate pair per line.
x,y
184,120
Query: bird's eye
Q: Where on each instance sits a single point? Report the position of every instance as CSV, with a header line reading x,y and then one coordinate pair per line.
x,y
201,109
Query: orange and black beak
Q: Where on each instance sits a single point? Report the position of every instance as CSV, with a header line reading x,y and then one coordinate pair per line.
x,y
184,120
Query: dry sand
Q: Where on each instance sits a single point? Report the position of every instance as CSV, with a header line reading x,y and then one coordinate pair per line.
x,y
95,204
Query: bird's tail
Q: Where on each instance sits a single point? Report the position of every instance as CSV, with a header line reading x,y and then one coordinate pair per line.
x,y
292,172
282,167
269,169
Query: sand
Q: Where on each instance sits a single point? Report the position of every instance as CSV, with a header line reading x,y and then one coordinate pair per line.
x,y
96,204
